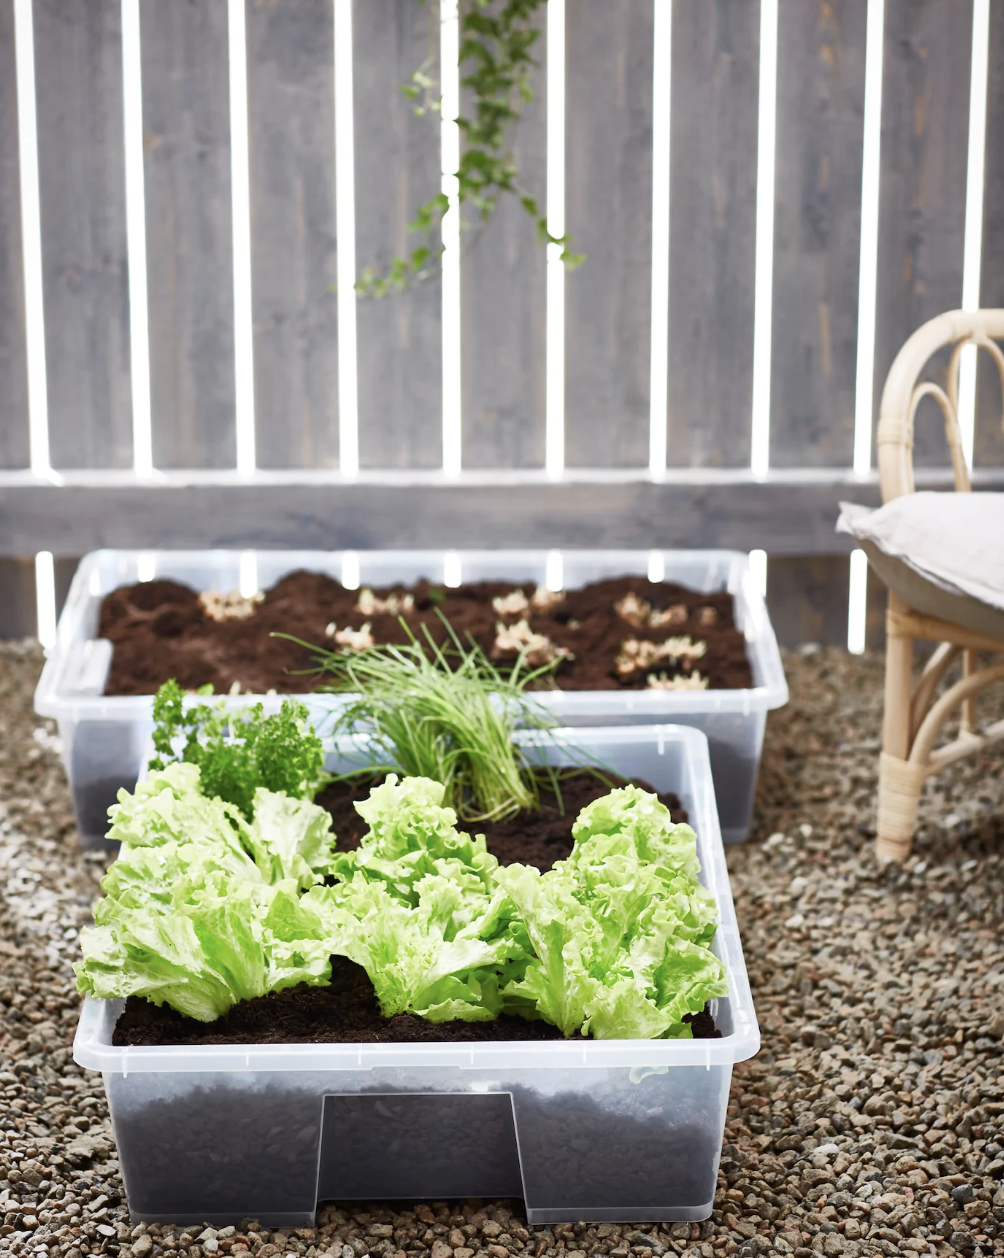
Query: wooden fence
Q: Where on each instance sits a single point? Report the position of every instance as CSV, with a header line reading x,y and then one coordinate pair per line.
x,y
183,184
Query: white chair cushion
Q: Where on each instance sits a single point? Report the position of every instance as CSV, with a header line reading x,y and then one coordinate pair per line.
x,y
942,553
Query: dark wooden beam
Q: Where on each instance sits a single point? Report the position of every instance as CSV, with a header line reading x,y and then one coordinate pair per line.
x,y
786,514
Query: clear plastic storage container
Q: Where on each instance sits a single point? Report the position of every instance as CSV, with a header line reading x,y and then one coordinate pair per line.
x,y
581,1130
103,736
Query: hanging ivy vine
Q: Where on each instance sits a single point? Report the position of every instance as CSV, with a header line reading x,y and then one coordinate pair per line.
x,y
496,59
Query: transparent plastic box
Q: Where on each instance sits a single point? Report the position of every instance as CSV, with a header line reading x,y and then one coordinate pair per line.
x,y
103,736
591,1130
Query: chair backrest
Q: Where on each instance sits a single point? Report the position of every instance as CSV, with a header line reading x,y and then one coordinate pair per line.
x,y
904,392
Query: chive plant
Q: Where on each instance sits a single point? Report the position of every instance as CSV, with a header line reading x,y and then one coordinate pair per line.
x,y
444,712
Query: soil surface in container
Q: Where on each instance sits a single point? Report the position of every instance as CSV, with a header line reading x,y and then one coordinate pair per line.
x,y
612,635
347,1011
532,838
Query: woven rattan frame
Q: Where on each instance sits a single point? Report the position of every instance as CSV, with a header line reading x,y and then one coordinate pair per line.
x,y
916,715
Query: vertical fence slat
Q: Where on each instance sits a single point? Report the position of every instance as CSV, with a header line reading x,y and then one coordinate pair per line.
x,y
17,597
712,230
397,169
807,597
820,100
608,211
925,130
503,310
14,448
292,151
81,172
988,447
186,135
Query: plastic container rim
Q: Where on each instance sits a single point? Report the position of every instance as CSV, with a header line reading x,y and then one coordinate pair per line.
x,y
92,1047
659,705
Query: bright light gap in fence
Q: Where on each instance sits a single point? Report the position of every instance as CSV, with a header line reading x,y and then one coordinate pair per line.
x,y
31,240
135,196
662,60
857,602
758,570
248,577
350,570
973,247
345,231
45,598
554,570
764,276
864,385
452,573
240,189
449,54
656,567
554,366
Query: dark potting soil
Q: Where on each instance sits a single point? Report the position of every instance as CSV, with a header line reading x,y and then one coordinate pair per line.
x,y
344,1013
159,630
531,838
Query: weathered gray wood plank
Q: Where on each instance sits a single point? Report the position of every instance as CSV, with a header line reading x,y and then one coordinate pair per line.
x,y
712,230
14,450
291,123
807,597
78,58
820,101
781,517
18,617
608,211
925,130
397,169
504,309
186,126
988,447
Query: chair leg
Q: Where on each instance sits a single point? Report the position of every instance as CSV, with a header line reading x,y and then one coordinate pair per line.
x,y
900,782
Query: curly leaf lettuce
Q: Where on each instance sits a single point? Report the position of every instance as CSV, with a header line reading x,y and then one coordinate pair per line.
x,y
418,909
201,910
621,931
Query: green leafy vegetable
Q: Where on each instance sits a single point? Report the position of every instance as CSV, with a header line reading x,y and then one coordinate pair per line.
x,y
203,908
238,752
200,909
621,931
419,910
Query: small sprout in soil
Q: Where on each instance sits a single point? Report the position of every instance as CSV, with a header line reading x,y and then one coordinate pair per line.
x,y
707,616
636,656
351,639
677,682
232,606
675,615
639,612
393,605
514,604
545,600
520,639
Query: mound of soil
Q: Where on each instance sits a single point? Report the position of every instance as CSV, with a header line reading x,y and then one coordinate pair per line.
x,y
160,630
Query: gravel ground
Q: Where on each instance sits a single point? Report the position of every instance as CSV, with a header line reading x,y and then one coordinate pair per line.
x,y
870,1123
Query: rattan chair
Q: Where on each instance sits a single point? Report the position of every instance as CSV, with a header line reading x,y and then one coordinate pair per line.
x,y
915,715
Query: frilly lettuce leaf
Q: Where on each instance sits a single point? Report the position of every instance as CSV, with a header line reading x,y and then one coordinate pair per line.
x,y
621,931
189,916
418,909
